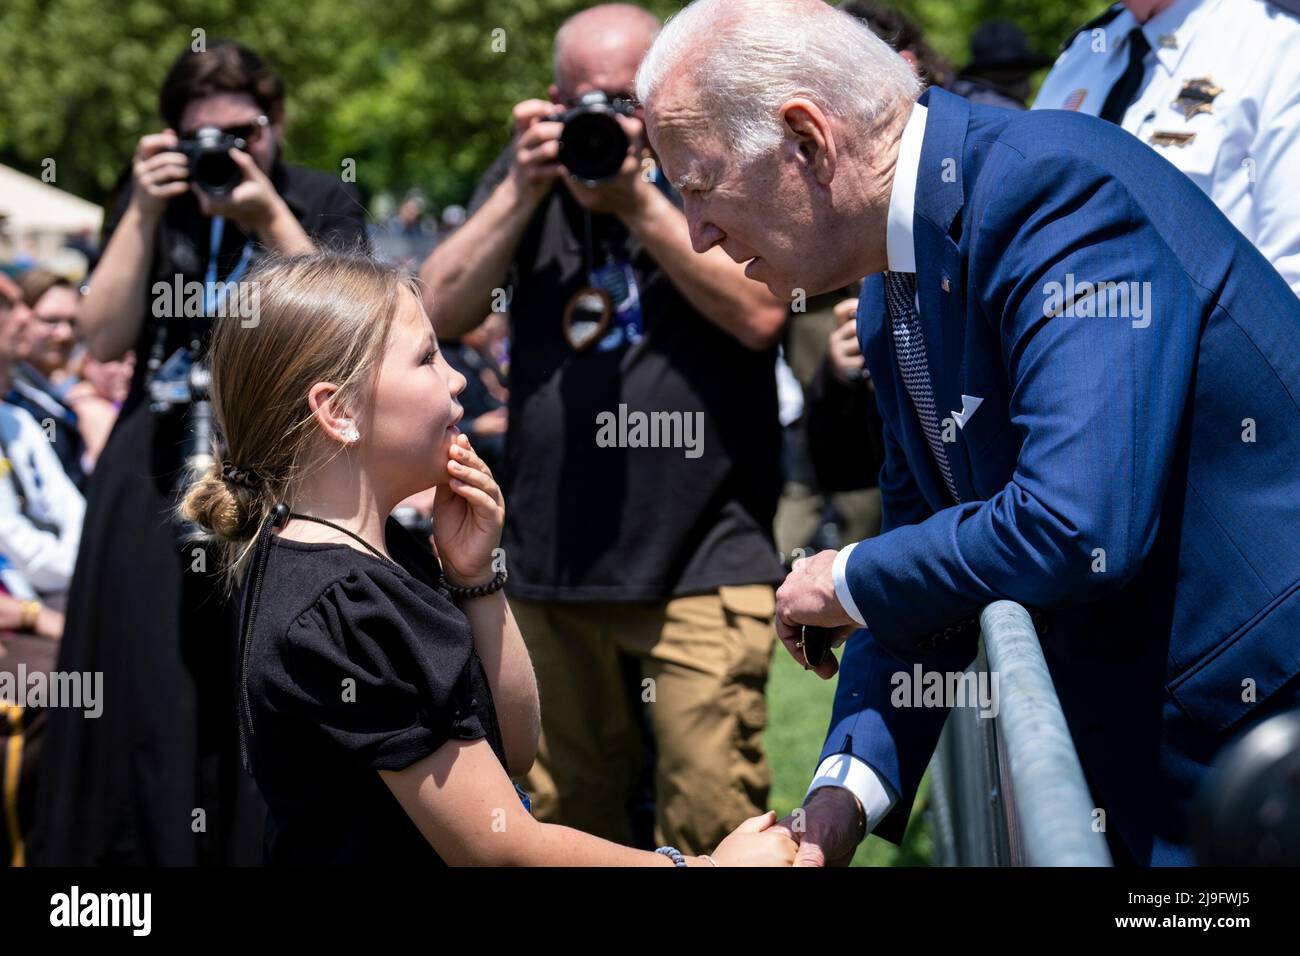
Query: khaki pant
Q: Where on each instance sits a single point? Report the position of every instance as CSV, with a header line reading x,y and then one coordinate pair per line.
x,y
699,666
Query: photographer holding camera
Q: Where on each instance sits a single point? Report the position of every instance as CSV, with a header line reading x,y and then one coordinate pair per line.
x,y
641,575
156,780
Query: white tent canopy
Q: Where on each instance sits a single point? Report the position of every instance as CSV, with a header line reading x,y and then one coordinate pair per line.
x,y
36,220
29,205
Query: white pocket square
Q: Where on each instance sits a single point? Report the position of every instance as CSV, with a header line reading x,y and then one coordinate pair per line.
x,y
968,405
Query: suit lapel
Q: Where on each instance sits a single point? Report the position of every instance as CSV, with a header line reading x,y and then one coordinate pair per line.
x,y
939,200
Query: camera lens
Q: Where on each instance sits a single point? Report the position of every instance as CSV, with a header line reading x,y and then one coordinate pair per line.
x,y
593,146
211,168
216,173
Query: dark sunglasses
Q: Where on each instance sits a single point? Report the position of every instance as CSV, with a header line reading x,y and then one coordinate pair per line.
x,y
623,101
248,132
815,642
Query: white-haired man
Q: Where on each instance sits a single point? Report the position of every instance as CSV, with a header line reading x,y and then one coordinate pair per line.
x,y
1075,355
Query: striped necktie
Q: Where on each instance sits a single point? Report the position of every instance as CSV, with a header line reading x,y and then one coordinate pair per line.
x,y
909,347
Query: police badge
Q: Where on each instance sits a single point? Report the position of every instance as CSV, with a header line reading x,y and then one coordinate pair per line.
x,y
1197,96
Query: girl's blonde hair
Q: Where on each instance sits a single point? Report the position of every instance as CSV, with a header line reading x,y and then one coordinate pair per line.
x,y
322,317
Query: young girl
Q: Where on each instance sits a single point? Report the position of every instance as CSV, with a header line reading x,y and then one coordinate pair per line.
x,y
386,696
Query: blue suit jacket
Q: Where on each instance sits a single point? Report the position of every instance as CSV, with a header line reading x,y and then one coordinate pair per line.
x,y
1135,479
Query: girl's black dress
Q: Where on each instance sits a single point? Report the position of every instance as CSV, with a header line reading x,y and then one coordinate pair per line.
x,y
354,665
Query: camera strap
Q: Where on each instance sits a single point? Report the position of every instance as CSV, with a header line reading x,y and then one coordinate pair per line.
x,y
212,298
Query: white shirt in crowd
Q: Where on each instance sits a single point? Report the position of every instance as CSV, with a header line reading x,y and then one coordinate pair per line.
x,y
39,547
1220,99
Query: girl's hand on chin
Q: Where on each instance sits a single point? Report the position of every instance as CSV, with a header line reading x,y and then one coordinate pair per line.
x,y
467,517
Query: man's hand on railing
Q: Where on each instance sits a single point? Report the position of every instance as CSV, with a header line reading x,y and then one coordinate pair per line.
x,y
808,597
828,827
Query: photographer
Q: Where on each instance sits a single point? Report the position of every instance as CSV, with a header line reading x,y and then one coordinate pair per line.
x,y
641,576
156,780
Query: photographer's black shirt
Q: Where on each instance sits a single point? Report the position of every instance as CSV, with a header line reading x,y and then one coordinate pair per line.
x,y
590,523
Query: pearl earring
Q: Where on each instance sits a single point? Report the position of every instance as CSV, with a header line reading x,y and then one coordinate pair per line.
x,y
350,433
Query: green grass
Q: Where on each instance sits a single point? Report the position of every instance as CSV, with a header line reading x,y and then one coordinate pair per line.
x,y
799,709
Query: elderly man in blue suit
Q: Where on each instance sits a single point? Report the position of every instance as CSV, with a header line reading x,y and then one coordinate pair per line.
x,y
1090,386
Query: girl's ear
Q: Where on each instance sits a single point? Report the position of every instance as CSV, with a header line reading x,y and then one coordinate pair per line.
x,y
334,420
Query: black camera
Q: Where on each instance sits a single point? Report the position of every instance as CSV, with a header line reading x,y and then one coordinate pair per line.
x,y
211,168
593,144
179,392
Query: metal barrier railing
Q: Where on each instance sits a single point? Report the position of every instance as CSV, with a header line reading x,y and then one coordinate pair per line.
x,y
1009,790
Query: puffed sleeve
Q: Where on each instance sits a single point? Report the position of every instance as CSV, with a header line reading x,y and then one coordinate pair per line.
x,y
385,676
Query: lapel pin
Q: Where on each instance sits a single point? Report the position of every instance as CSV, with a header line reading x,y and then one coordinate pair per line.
x,y
1168,41
944,284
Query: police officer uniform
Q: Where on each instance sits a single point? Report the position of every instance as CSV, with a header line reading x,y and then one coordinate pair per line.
x,y
1214,87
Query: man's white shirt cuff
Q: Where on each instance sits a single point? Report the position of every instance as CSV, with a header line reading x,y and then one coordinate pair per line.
x,y
857,777
842,584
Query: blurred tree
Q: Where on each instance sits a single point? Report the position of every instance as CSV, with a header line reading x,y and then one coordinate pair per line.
x,y
416,92
1046,23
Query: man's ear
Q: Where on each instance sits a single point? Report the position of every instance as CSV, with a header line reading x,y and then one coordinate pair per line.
x,y
334,420
810,128
553,92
